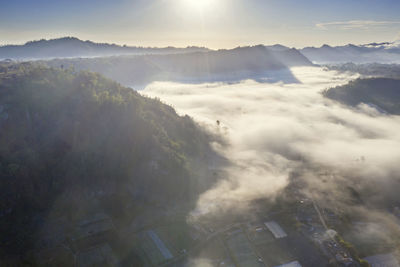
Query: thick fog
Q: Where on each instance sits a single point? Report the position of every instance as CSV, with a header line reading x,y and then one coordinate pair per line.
x,y
273,133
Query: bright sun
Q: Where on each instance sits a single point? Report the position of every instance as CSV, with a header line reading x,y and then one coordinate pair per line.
x,y
199,4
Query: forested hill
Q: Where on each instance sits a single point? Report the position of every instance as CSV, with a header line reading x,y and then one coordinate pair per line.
x,y
68,140
382,93
74,47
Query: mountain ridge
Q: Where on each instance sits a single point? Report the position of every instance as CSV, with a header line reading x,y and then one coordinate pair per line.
x,y
384,52
74,47
250,62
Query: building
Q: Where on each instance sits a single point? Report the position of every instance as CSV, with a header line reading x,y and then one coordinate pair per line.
x,y
160,245
275,229
92,231
290,264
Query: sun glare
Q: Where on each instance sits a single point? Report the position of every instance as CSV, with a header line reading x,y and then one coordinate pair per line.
x,y
199,4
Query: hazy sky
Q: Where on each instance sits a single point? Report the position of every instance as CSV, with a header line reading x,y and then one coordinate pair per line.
x,y
212,23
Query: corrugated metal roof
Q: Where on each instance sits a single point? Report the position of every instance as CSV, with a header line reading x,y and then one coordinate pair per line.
x,y
275,229
291,264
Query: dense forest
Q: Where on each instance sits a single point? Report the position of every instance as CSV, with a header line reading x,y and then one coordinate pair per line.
x,y
70,139
382,93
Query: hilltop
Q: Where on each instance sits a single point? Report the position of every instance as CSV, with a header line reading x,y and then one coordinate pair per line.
x,y
68,47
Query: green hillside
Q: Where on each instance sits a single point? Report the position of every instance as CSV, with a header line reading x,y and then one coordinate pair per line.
x,y
69,141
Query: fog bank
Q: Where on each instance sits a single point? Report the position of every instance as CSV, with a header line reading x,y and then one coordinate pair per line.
x,y
271,131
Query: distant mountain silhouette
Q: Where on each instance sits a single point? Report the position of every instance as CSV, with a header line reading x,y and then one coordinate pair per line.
x,y
223,65
387,52
73,47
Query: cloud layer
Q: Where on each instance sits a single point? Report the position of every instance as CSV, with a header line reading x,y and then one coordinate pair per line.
x,y
357,24
275,130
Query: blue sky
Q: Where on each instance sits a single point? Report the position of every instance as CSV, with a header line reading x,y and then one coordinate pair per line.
x,y
212,23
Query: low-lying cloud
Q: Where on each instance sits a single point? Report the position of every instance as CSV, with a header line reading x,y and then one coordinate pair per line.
x,y
357,24
274,130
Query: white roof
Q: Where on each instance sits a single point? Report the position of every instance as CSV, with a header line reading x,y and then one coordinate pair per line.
x,y
290,264
275,229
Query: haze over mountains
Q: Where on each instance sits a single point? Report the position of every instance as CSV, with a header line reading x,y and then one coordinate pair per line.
x,y
73,47
137,66
223,65
269,131
200,133
387,52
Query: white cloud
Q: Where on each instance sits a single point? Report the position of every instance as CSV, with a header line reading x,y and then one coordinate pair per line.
x,y
274,130
356,24
279,133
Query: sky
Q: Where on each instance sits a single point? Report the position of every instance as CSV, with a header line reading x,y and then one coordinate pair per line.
x,y
210,23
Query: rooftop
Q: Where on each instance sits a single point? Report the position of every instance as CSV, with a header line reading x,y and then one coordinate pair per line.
x,y
275,229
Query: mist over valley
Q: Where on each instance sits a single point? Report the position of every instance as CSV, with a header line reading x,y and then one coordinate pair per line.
x,y
212,133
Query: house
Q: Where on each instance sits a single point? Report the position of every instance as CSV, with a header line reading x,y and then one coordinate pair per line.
x,y
275,229
290,264
93,230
